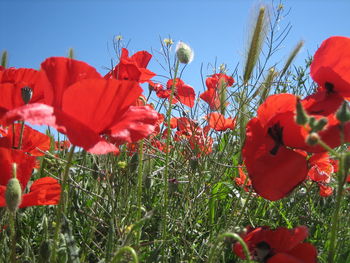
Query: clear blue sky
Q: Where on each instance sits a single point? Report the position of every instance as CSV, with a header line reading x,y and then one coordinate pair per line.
x,y
34,30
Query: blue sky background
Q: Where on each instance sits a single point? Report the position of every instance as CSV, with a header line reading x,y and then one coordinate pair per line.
x,y
217,30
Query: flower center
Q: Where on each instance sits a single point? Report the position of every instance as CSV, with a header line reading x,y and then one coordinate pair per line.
x,y
275,133
329,87
263,252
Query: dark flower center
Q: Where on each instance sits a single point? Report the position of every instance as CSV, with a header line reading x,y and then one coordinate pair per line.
x,y
275,133
329,87
263,252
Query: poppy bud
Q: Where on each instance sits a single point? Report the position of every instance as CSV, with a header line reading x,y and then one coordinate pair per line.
x,y
27,94
312,138
319,125
13,192
343,114
184,53
302,118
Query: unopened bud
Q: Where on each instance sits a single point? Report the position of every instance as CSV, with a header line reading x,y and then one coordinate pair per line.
x,y
184,53
312,139
27,94
302,118
343,113
319,124
13,192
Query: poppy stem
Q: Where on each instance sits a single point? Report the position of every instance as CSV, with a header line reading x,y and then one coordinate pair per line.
x,y
166,169
341,176
13,236
139,190
62,206
21,136
228,235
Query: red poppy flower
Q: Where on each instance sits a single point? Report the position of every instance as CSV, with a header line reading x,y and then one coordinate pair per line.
x,y
44,191
242,179
132,68
211,97
216,84
275,170
33,142
218,122
183,93
11,83
277,246
321,168
216,81
325,190
91,106
331,65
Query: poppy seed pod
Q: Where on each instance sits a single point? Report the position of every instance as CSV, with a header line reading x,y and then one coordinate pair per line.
x,y
13,194
184,53
27,94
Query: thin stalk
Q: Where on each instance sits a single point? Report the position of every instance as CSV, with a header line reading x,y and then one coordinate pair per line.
x,y
341,176
62,206
21,136
13,237
139,190
166,170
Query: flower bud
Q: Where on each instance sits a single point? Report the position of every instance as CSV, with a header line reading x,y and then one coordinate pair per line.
x,y
343,114
312,139
319,124
27,94
13,194
302,118
184,53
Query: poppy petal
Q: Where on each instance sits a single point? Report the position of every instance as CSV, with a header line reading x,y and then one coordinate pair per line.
x,y
44,191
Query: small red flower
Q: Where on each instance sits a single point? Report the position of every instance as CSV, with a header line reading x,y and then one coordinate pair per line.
x,y
242,180
277,246
325,190
183,93
216,84
321,168
218,122
132,68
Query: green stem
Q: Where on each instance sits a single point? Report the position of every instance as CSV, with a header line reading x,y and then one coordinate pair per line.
x,y
122,251
244,207
62,206
21,136
166,170
229,235
341,176
13,237
139,190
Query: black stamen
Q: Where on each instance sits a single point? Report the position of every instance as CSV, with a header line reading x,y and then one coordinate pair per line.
x,y
276,134
329,87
